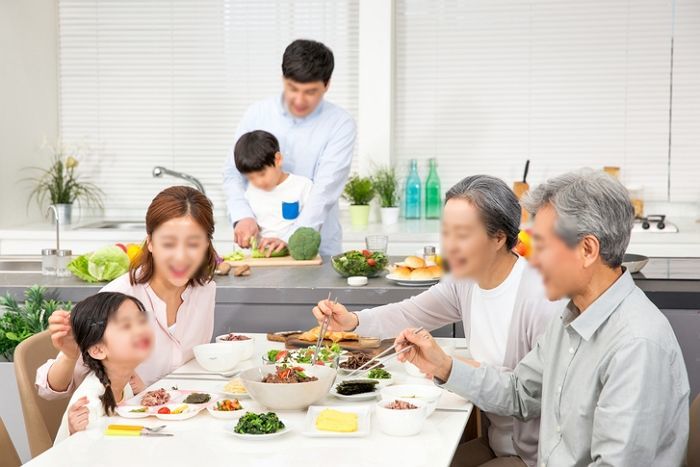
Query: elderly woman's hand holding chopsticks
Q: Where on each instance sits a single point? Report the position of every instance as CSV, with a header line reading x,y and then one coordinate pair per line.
x,y
426,354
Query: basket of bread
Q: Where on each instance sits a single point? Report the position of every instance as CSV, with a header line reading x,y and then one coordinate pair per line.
x,y
415,271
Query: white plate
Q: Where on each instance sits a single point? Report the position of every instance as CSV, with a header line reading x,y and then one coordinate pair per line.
x,y
383,382
229,429
412,282
125,411
175,397
363,416
191,411
365,396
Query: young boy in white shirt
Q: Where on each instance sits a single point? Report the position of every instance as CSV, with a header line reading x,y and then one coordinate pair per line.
x,y
275,196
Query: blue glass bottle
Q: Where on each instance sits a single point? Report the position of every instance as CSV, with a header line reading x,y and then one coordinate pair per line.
x,y
413,193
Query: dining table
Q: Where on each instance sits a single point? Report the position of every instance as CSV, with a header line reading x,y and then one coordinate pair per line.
x,y
206,441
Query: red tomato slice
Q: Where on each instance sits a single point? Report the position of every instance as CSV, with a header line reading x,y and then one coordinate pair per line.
x,y
281,355
366,253
164,410
371,262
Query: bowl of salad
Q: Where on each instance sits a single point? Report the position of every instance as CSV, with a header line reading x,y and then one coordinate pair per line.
x,y
359,263
327,356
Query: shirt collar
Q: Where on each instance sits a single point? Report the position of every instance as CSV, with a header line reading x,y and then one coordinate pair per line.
x,y
588,322
284,111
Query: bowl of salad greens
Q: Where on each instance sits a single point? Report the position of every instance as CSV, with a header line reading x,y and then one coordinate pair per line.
x,y
327,356
360,263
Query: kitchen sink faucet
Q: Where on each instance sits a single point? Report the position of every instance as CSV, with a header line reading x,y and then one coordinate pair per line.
x,y
159,171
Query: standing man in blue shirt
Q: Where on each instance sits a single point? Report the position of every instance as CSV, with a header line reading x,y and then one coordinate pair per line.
x,y
316,138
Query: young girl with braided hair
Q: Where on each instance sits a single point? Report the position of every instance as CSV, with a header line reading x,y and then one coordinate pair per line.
x,y
114,337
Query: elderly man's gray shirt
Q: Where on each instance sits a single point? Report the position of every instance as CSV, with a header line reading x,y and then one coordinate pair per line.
x,y
609,384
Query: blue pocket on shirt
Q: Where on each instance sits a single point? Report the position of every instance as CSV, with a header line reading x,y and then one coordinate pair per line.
x,y
290,211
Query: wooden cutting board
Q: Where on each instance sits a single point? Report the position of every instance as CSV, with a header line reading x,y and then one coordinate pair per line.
x,y
371,346
280,261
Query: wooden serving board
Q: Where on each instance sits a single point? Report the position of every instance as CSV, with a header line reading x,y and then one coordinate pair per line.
x,y
280,261
371,346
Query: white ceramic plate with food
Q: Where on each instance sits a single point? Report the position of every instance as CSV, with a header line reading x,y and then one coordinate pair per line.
x,y
363,396
189,411
133,411
174,396
363,421
412,282
229,429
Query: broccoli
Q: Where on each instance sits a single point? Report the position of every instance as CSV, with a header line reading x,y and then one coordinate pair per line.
x,y
304,243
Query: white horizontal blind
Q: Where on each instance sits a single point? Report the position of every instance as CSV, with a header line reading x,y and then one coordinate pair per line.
x,y
484,85
685,143
165,82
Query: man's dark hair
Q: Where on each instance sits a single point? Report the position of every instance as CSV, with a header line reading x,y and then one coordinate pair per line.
x,y
255,150
306,61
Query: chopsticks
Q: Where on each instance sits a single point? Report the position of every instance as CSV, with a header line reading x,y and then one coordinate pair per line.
x,y
322,333
377,358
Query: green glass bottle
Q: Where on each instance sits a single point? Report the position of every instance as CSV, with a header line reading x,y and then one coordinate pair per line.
x,y
433,195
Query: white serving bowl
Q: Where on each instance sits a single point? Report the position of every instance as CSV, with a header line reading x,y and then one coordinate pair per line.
x,y
407,422
297,396
414,392
248,345
219,356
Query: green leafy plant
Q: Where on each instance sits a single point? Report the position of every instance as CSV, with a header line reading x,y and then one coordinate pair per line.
x,y
60,184
386,186
20,321
359,190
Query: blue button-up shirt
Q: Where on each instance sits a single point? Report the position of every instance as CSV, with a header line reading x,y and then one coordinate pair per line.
x,y
609,384
318,146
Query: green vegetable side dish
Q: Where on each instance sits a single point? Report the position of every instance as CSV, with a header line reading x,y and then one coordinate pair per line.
x,y
139,410
359,263
234,256
104,264
304,243
378,373
259,424
197,398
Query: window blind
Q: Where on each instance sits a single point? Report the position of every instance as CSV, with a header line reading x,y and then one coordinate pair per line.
x,y
484,85
165,82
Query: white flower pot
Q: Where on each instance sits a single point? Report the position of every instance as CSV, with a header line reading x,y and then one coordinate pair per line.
x,y
11,410
390,216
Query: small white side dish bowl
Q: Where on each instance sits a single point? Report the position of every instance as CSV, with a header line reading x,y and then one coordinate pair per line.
x,y
294,396
248,344
406,422
414,392
413,370
219,356
226,414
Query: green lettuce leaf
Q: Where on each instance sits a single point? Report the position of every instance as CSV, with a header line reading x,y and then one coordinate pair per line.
x,y
79,267
108,263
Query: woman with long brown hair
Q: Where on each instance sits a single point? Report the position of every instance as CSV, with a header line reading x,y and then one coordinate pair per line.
x,y
172,277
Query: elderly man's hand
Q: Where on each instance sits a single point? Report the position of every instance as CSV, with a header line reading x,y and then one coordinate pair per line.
x,y
426,354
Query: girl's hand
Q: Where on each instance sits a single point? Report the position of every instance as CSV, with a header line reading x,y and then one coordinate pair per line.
x,y
62,334
271,245
137,384
341,318
78,415
426,354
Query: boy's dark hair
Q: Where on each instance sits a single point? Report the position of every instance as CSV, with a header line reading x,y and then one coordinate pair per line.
x,y
255,150
306,61
89,320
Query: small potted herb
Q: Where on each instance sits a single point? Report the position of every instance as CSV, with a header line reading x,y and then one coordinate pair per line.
x,y
359,191
386,186
60,185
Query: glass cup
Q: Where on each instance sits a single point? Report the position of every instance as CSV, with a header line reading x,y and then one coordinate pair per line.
x,y
378,243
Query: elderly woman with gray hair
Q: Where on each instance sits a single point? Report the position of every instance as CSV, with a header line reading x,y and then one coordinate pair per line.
x,y
497,295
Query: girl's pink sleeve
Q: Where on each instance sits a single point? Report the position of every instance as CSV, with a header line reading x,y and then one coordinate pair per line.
x,y
42,380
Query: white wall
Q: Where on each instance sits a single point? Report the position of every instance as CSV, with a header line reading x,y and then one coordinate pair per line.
x,y
28,99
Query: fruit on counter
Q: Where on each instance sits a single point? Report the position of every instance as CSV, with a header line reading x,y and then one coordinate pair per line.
x,y
524,245
256,252
104,264
121,246
133,250
359,263
304,243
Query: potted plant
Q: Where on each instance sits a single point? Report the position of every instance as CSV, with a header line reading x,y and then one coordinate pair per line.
x,y
386,186
17,323
359,191
61,186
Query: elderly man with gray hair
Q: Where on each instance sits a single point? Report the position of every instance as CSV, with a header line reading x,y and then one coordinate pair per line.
x,y
607,378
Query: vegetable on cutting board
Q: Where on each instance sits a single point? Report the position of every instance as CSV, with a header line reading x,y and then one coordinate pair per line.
x,y
304,243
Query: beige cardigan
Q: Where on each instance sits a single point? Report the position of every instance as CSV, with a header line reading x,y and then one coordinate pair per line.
x,y
450,301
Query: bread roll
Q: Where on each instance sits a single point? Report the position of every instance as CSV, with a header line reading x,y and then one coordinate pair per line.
x,y
421,273
414,262
435,270
402,272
